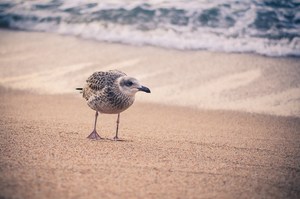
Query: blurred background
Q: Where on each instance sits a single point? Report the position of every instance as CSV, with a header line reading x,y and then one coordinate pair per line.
x,y
207,54
269,27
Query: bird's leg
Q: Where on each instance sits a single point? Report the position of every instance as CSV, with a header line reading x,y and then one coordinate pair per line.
x,y
118,121
94,135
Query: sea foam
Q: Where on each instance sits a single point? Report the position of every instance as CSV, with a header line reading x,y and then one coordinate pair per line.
x,y
268,28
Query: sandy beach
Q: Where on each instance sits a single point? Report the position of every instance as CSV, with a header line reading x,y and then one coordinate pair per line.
x,y
234,133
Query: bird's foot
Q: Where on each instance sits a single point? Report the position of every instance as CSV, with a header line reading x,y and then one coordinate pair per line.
x,y
94,136
116,138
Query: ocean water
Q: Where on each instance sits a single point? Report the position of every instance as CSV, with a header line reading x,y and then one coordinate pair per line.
x,y
267,27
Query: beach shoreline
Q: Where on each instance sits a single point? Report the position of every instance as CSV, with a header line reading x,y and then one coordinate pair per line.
x,y
56,64
215,125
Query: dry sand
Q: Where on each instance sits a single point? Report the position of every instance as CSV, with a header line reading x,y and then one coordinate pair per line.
x,y
168,151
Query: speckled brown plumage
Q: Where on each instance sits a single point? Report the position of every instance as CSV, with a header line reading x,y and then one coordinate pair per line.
x,y
110,92
103,94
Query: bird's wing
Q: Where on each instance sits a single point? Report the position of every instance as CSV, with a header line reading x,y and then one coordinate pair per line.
x,y
99,80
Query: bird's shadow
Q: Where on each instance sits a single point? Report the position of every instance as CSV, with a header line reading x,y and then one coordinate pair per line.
x,y
111,140
118,140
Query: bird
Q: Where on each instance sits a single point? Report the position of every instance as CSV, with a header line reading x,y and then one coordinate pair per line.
x,y
110,92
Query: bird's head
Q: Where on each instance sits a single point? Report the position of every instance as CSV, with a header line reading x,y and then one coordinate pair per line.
x,y
130,85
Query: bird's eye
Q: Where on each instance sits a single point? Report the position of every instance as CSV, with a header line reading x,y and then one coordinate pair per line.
x,y
129,83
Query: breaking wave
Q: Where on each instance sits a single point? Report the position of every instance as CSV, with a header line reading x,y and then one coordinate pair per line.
x,y
268,27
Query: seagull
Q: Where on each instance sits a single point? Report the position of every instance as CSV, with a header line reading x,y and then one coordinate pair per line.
x,y
110,92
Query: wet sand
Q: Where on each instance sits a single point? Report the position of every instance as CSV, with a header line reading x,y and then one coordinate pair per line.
x,y
167,152
55,64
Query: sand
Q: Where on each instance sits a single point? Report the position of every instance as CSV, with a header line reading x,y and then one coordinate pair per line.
x,y
167,152
172,149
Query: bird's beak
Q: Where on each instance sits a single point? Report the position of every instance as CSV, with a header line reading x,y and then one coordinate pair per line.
x,y
145,89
